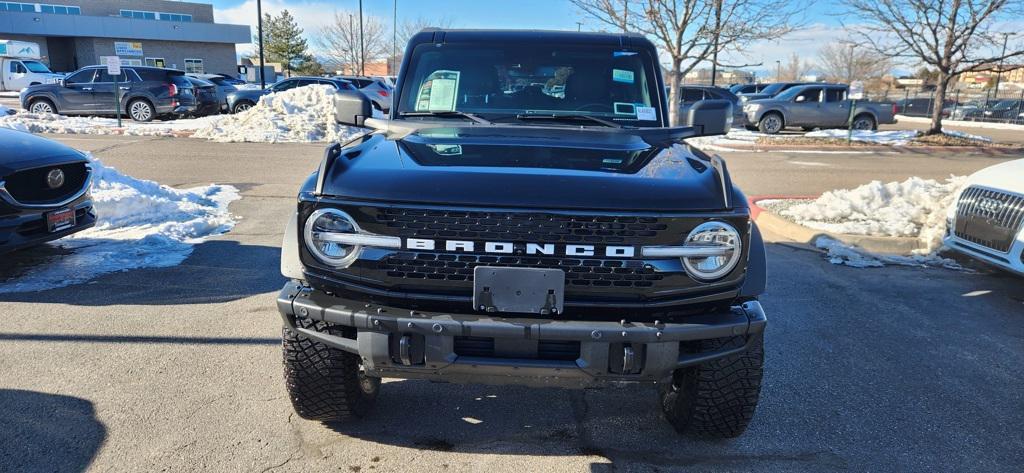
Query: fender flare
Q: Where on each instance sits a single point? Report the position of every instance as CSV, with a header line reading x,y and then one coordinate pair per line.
x,y
756,280
291,265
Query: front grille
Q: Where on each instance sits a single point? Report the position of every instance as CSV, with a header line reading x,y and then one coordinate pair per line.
x,y
30,186
484,347
510,226
579,272
988,217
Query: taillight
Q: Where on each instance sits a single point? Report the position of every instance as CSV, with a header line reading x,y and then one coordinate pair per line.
x,y
383,93
894,109
172,89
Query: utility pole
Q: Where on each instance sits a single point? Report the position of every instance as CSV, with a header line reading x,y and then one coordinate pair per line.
x,y
849,64
259,29
999,72
718,29
362,50
352,42
625,16
778,71
394,40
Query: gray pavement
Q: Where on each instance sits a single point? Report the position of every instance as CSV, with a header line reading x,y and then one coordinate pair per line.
x,y
178,369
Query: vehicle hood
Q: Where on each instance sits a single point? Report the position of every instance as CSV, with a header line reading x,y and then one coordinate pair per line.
x,y
1006,176
752,97
24,150
526,167
253,94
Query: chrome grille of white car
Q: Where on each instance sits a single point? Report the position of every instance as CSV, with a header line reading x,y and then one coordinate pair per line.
x,y
989,208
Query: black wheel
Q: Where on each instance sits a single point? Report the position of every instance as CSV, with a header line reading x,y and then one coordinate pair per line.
x,y
716,399
771,123
324,383
141,110
242,106
42,106
864,122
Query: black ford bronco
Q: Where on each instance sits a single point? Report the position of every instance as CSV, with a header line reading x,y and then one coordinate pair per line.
x,y
526,215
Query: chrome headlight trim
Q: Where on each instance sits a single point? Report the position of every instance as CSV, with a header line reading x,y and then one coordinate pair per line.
x,y
307,236
693,242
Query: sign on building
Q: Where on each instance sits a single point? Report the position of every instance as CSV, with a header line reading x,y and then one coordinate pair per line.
x,y
125,48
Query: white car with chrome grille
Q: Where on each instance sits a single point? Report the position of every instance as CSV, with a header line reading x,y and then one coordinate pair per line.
x,y
987,222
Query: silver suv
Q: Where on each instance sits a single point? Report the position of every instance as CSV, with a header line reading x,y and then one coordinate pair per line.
x,y
376,90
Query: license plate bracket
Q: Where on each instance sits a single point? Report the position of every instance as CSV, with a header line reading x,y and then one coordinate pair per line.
x,y
520,290
60,219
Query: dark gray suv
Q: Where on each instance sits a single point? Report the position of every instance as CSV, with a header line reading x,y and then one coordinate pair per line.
x,y
146,93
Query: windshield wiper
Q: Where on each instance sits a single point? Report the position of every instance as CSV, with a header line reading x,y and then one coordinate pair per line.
x,y
567,117
447,114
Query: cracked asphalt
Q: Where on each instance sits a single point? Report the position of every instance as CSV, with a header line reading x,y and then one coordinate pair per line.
x,y
179,369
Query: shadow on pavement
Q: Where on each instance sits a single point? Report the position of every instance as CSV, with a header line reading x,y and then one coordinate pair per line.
x,y
216,271
33,337
47,432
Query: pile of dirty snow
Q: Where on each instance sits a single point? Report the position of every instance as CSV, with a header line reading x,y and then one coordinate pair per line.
x,y
141,224
842,254
892,137
912,208
303,114
76,125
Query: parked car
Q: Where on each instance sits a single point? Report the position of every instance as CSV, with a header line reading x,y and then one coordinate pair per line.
x,y
224,87
376,90
987,222
965,110
569,241
44,191
244,99
230,79
769,91
815,106
146,93
207,100
747,88
919,107
691,94
1002,111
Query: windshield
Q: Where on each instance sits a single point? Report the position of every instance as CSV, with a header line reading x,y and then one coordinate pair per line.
x,y
1005,104
772,89
36,66
492,80
789,93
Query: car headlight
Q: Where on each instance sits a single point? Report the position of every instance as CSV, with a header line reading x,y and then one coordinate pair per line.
x,y
722,249
320,227
334,238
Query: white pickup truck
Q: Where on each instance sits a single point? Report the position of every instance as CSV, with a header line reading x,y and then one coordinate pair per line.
x,y
21,66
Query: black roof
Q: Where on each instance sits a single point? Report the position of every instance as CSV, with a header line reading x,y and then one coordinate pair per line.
x,y
439,35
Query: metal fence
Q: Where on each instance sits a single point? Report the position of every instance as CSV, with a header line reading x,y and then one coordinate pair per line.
x,y
961,104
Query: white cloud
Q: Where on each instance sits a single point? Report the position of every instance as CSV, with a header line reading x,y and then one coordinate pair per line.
x,y
310,15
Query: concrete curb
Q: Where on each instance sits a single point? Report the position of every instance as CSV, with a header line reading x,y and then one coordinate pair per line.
x,y
799,233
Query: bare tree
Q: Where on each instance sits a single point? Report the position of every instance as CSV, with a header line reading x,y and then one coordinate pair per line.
x,y
339,44
407,29
794,69
844,61
952,36
690,32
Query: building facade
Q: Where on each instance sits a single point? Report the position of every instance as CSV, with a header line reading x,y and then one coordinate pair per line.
x,y
76,33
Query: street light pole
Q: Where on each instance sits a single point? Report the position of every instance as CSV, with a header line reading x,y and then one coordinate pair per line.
x,y
778,71
999,71
394,40
259,29
362,49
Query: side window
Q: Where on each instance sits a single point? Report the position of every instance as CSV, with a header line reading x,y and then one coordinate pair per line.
x,y
18,68
835,95
692,95
284,85
809,95
81,77
305,82
102,76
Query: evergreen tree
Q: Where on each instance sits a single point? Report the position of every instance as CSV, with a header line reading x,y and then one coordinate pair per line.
x,y
285,43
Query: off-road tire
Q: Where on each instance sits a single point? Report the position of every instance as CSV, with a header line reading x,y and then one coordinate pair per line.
x,y
767,126
716,399
325,383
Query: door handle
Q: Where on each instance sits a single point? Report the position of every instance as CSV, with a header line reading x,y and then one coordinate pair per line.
x,y
124,88
86,88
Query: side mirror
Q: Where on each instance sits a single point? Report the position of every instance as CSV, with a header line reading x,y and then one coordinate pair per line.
x,y
710,117
61,82
801,98
352,108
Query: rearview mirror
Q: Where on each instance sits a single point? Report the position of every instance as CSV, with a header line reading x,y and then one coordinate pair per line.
x,y
351,108
710,117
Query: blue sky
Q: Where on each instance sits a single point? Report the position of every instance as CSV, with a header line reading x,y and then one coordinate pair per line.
x,y
539,14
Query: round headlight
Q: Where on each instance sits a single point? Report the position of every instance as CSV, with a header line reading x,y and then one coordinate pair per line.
x,y
713,236
319,226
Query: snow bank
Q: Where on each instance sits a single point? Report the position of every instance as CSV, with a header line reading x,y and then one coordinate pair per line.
x,y
842,254
893,137
912,208
6,111
962,123
141,224
303,114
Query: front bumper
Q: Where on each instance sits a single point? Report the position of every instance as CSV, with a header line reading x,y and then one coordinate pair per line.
x,y
27,227
1012,260
404,343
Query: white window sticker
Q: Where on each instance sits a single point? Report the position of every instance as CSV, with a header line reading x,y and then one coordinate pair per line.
x,y
438,93
646,113
622,75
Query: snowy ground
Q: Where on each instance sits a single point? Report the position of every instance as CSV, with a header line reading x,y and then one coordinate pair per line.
x,y
141,224
963,123
747,139
892,137
913,208
304,114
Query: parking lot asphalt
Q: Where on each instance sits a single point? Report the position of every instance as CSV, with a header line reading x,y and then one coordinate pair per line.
x,y
179,369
